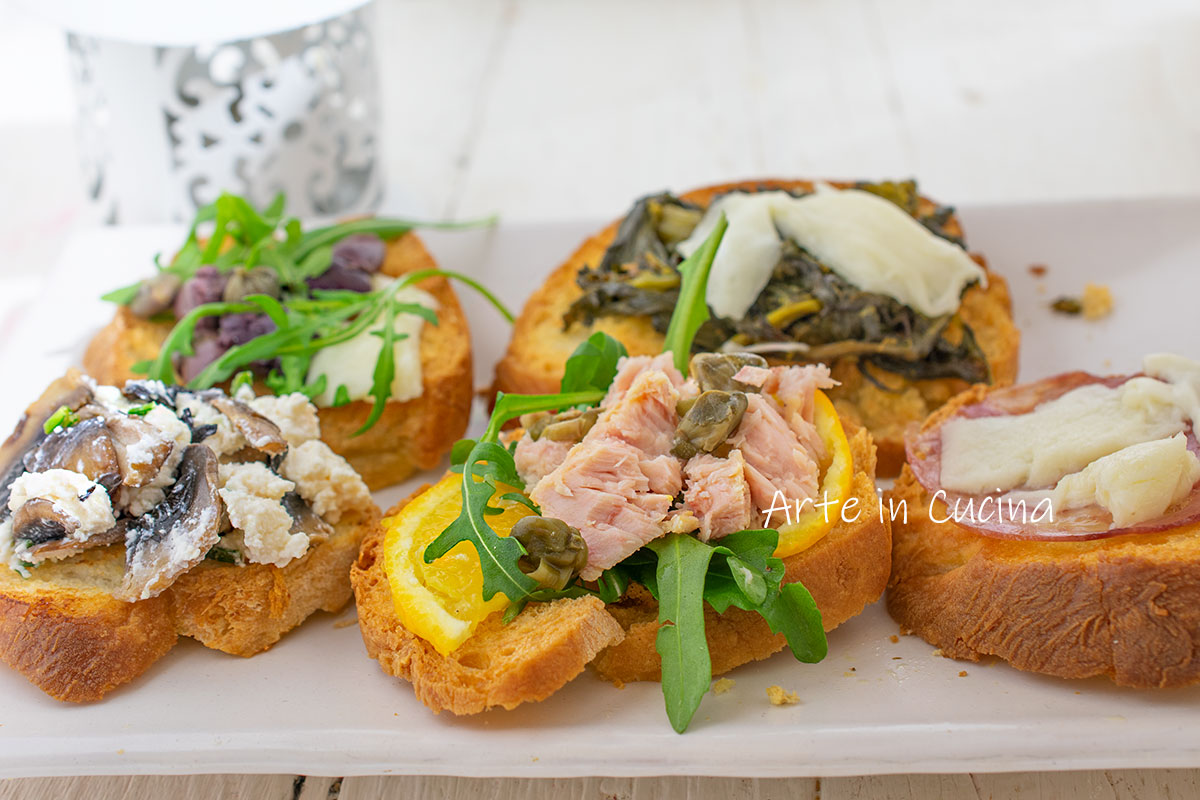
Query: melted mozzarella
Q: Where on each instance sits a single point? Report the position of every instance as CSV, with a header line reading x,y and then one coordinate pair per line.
x,y
352,363
865,239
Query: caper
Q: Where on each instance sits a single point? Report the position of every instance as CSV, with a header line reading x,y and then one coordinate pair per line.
x,y
155,295
708,423
243,283
554,551
569,426
716,370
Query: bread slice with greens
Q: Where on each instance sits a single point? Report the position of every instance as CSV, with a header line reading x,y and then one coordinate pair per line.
x,y
355,316
130,517
790,287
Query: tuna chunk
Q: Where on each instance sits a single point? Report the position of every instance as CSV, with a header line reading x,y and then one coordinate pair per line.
x,y
792,389
775,458
718,495
536,460
601,489
617,485
630,367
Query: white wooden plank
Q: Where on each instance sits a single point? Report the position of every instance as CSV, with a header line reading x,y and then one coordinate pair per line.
x,y
594,104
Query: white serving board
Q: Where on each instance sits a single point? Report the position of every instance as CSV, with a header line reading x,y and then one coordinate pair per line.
x,y
315,704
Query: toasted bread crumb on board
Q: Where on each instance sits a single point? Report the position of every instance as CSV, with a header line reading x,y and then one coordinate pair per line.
x,y
962,674
782,697
894,639
722,685
1097,301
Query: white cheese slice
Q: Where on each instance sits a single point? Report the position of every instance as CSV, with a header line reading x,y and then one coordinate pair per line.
x,y
985,454
1134,484
865,239
352,363
748,253
1183,373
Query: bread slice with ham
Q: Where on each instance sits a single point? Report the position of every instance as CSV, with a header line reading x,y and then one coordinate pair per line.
x,y
1075,597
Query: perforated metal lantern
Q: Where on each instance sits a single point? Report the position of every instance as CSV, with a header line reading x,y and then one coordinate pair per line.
x,y
166,127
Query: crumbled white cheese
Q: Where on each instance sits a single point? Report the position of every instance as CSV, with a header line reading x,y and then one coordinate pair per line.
x,y
6,545
352,363
108,396
225,440
137,502
74,496
865,239
1134,484
325,480
252,495
295,416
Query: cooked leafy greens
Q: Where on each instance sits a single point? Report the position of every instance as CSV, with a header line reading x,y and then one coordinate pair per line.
x,y
302,320
805,312
679,570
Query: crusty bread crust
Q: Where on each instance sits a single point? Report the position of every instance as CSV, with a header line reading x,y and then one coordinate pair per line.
x,y
527,660
548,645
410,436
845,571
64,631
539,347
1126,607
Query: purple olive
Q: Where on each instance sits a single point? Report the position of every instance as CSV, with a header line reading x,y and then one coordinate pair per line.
x,y
363,251
205,286
238,329
341,278
208,348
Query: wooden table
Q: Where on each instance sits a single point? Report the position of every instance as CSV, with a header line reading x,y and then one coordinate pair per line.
x,y
543,109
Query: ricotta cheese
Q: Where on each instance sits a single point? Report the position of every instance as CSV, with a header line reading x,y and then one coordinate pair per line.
x,y
295,416
225,440
252,495
73,495
137,502
352,363
865,239
325,480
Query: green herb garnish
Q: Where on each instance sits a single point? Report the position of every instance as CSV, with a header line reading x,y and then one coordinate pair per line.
x,y
306,321
243,378
140,411
63,417
691,311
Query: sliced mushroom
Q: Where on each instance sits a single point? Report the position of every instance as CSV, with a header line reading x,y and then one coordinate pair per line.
x,y
304,519
69,391
64,547
141,450
259,432
176,535
86,447
38,522
151,392
716,370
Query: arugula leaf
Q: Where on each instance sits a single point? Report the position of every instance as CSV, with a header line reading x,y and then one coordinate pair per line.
x,y
794,613
385,368
498,555
686,666
691,310
593,365
123,296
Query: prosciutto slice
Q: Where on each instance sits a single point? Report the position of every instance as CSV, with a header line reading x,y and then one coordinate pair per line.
x,y
1003,519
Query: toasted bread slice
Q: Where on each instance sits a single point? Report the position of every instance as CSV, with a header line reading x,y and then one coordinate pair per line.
x,y
845,571
527,660
548,645
540,347
410,436
1127,607
63,630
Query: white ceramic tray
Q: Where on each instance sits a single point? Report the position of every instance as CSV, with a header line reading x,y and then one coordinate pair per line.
x,y
316,704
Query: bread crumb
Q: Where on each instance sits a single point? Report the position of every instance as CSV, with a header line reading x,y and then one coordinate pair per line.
x,y
722,685
1038,270
939,653
782,697
962,674
895,639
346,623
1097,301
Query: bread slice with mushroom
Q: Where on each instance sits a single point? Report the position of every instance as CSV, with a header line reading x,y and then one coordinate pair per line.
x,y
98,612
411,435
